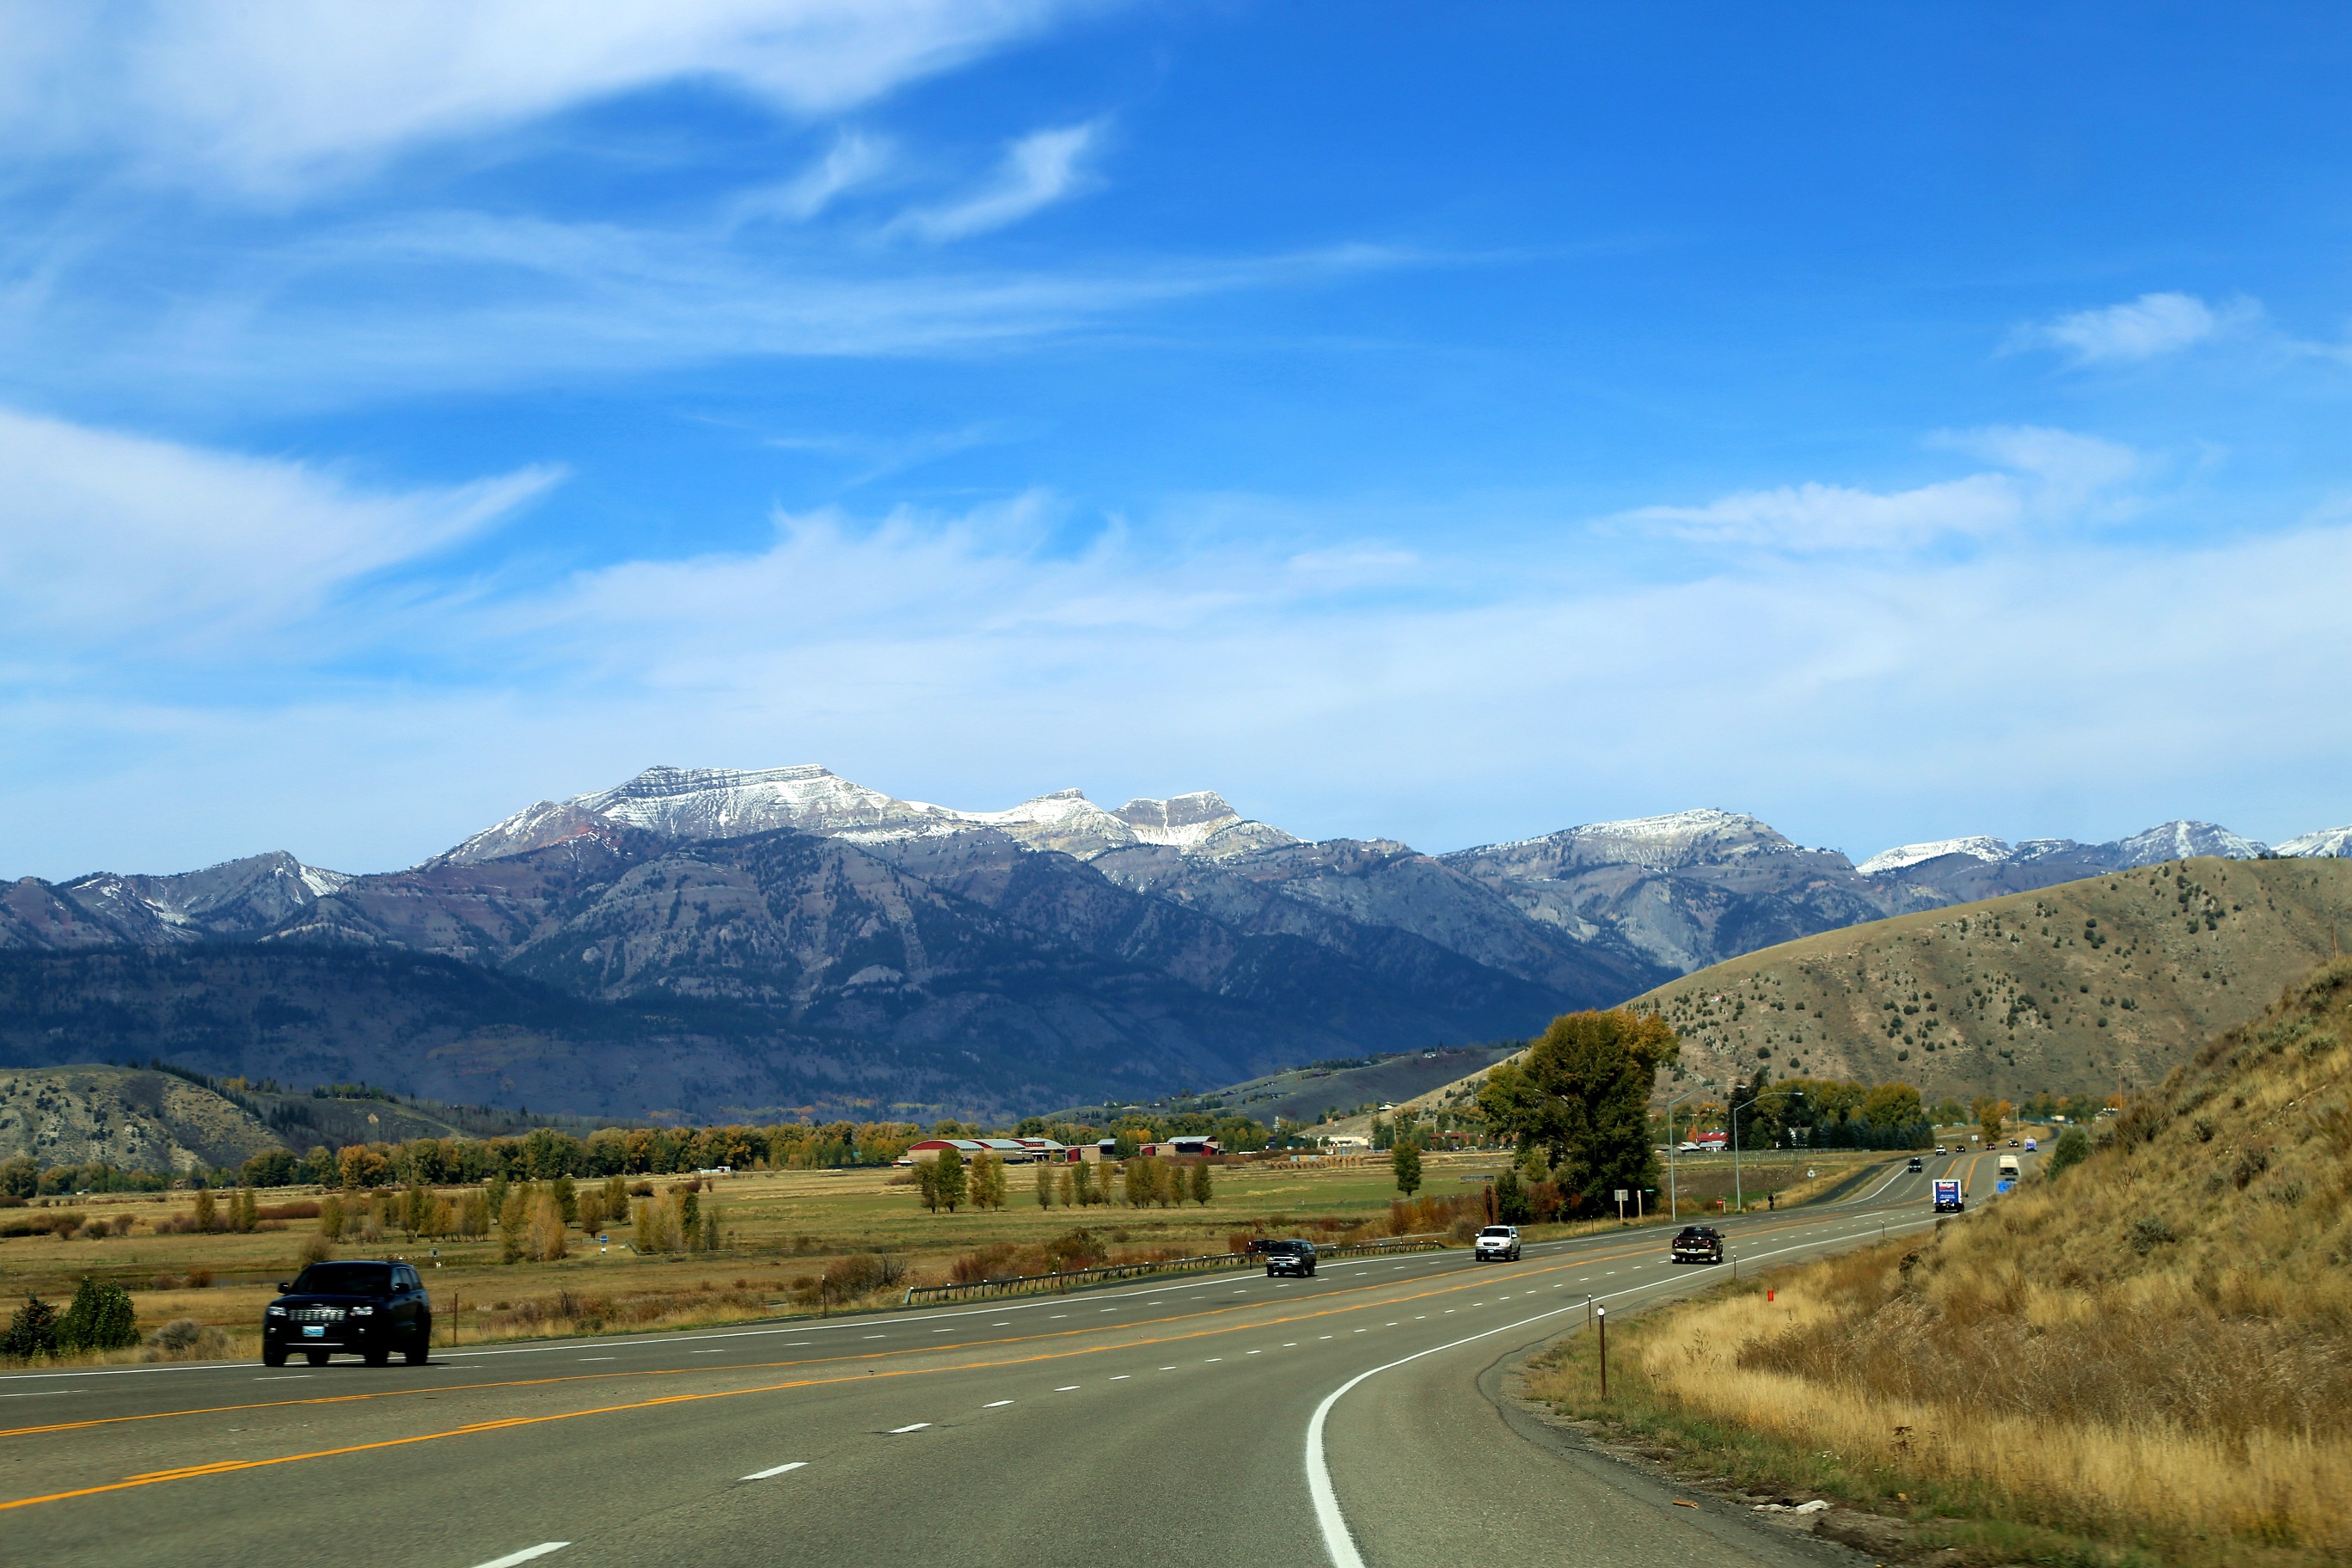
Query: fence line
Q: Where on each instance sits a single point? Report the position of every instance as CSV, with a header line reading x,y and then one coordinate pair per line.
x,y
1201,1264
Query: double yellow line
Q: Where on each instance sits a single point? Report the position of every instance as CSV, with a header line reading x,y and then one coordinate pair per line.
x,y
228,1467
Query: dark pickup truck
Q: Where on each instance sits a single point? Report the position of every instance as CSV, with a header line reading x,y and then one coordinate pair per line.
x,y
364,1309
1288,1258
1698,1244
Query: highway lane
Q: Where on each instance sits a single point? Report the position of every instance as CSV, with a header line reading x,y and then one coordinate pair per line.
x,y
1172,1415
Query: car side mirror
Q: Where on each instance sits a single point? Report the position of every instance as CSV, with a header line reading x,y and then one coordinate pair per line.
x,y
284,1286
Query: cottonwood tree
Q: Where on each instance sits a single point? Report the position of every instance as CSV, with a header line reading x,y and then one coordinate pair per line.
x,y
1202,1184
947,1179
1581,1098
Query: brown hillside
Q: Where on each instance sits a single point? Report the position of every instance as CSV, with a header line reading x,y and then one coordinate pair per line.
x,y
2086,987
2147,1348
131,1118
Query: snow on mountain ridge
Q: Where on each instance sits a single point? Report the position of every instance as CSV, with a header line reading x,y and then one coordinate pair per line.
x,y
1992,851
2327,841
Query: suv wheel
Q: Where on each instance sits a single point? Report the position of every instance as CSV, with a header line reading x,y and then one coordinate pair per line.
x,y
378,1356
420,1346
273,1355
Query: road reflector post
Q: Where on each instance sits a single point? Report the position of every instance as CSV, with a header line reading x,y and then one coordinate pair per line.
x,y
1600,1322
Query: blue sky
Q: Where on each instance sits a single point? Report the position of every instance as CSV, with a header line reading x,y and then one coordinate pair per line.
x,y
1444,424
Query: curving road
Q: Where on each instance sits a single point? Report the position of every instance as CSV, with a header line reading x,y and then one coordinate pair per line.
x,y
1338,1420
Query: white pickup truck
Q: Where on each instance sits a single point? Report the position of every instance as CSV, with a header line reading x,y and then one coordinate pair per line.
x,y
2008,1167
1498,1241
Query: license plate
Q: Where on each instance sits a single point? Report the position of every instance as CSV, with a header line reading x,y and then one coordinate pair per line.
x,y
313,1331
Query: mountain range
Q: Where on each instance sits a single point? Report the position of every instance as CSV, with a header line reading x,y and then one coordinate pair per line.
x,y
708,941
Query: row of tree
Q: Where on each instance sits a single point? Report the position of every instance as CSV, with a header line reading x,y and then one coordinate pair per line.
x,y
949,1181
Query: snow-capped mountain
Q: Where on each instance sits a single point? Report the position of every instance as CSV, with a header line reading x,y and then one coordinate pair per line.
x,y
726,803
2328,841
787,937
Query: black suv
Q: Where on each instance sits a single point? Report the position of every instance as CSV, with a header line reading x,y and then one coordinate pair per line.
x,y
1288,1257
363,1308
1698,1244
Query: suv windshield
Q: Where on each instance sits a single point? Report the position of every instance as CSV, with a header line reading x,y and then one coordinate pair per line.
x,y
1286,1247
1497,1230
345,1279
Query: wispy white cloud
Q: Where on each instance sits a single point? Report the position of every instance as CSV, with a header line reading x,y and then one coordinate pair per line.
x,y
277,101
853,159
131,546
2051,477
1037,171
2141,329
2058,680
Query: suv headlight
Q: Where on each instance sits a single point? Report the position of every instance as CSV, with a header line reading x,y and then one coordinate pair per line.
x,y
276,1312
363,1311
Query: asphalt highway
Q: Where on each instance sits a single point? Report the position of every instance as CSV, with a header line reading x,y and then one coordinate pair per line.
x,y
1338,1420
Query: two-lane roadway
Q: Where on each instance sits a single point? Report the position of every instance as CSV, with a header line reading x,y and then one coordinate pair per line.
x,y
1337,1420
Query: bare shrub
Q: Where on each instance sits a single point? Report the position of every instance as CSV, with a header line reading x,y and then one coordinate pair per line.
x,y
184,1339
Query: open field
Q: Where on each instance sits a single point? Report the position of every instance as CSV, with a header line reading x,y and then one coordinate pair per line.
x,y
781,1232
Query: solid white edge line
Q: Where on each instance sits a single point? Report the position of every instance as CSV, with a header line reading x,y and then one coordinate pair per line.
x,y
1337,1541
525,1555
778,1470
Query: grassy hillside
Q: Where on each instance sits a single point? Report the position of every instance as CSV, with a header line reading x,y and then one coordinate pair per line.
x,y
2145,1351
2086,987
131,1118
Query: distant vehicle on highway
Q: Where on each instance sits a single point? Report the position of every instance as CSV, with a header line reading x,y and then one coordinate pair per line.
x,y
2007,1164
1916,1163
1941,1149
1288,1257
1500,1241
2030,1145
364,1309
1947,1195
1698,1244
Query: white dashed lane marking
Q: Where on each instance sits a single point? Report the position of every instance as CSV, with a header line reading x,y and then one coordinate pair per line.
x,y
900,1431
777,1470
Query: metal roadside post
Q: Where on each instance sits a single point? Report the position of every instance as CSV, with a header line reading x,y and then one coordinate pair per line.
x,y
1601,1318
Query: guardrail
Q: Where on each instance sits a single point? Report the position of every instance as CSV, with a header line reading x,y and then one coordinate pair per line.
x,y
1204,1263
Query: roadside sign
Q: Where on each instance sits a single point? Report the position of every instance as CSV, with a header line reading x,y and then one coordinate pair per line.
x,y
1623,1196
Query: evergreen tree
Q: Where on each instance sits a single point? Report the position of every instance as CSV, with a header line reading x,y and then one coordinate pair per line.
x,y
567,1198
1510,1198
1406,1160
32,1332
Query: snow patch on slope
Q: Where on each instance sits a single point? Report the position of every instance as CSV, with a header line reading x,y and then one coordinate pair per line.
x,y
2327,841
1991,851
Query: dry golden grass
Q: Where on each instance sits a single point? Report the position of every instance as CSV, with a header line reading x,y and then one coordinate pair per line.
x,y
2149,1348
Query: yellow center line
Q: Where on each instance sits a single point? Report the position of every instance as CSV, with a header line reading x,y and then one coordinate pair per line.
x,y
156,1478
